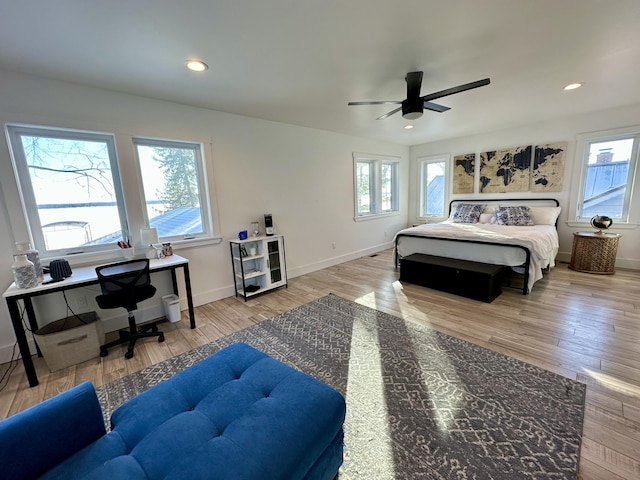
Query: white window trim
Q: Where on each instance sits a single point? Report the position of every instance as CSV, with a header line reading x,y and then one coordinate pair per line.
x,y
202,184
128,168
446,158
379,160
577,183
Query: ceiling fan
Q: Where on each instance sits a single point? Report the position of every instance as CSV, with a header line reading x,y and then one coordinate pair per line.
x,y
413,106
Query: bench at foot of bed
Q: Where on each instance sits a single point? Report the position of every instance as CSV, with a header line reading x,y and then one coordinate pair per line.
x,y
479,281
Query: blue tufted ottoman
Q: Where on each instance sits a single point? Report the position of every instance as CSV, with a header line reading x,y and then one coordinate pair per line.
x,y
239,414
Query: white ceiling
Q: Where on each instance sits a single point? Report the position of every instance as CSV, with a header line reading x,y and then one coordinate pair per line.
x,y
301,61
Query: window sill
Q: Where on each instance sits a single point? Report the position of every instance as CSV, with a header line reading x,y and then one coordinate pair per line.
x,y
375,216
616,226
115,254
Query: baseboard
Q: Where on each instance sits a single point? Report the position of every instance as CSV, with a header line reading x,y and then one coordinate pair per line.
x,y
330,262
229,290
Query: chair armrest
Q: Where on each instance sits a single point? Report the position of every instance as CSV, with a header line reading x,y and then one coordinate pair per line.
x,y
37,439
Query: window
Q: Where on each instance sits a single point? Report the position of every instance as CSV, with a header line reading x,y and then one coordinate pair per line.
x,y
76,198
70,188
608,163
173,182
376,185
433,187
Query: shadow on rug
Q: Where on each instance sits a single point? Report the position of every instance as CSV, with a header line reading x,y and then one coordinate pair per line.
x,y
420,404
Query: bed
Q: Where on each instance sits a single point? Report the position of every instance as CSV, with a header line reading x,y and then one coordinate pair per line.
x,y
517,233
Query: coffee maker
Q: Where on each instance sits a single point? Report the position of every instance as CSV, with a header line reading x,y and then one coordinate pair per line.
x,y
268,224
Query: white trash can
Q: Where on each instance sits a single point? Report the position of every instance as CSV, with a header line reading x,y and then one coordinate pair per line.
x,y
171,304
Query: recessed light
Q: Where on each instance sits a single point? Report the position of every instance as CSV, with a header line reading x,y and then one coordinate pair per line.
x,y
197,65
408,127
573,86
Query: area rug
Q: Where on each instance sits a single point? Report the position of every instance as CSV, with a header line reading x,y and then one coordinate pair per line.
x,y
420,404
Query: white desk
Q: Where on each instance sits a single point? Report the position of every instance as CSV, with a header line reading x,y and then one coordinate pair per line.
x,y
81,277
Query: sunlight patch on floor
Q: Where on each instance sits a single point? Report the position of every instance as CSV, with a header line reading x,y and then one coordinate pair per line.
x,y
369,425
444,417
613,383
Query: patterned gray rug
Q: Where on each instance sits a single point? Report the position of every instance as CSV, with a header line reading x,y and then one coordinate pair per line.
x,y
420,404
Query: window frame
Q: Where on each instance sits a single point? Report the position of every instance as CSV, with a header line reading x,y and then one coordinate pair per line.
x,y
205,211
422,162
581,159
376,163
29,208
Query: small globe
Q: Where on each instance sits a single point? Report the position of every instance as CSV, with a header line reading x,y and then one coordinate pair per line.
x,y
601,222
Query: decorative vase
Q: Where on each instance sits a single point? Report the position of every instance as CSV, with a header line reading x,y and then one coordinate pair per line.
x,y
24,273
24,248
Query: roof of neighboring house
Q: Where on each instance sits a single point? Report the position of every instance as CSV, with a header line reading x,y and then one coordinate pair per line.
x,y
176,222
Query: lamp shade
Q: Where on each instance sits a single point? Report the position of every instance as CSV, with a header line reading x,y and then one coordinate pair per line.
x,y
148,236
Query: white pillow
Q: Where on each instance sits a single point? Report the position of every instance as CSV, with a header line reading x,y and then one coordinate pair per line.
x,y
489,209
544,215
487,218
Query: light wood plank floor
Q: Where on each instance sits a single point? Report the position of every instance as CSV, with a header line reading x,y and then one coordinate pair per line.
x,y
586,327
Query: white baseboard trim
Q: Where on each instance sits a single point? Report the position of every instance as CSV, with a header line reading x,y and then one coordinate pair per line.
x,y
330,262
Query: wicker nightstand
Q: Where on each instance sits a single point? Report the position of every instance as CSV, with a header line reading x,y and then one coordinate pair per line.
x,y
594,252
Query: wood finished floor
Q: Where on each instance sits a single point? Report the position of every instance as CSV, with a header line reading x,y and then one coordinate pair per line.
x,y
586,327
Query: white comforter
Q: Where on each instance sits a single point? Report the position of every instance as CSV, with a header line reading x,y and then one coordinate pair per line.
x,y
541,240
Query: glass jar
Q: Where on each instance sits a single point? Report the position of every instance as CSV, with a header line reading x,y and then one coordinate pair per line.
x,y
24,248
24,273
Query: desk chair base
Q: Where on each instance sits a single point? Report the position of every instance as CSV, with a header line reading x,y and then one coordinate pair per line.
x,y
132,335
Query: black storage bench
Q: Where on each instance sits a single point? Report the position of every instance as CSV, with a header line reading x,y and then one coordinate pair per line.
x,y
479,281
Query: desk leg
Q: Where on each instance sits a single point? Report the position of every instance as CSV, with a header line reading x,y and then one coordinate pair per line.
x,y
31,315
187,282
23,345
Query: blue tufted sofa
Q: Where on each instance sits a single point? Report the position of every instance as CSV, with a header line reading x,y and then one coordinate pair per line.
x,y
238,414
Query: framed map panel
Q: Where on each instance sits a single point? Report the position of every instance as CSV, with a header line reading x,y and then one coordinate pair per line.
x,y
547,170
507,170
463,171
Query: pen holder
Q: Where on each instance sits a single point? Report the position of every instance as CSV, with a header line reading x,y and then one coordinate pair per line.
x,y
128,253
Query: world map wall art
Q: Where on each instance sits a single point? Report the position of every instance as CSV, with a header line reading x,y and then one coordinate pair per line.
x,y
517,169
463,171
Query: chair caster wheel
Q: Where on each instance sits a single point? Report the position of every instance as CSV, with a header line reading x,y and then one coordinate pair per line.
x,y
104,353
129,354
160,338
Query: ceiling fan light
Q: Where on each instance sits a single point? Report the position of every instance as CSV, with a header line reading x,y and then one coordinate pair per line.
x,y
412,108
412,115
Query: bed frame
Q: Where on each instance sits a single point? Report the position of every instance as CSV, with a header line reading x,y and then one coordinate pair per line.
x,y
540,202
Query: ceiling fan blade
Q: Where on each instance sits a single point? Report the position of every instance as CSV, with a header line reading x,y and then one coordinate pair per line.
x,y
435,107
375,103
458,89
388,114
414,83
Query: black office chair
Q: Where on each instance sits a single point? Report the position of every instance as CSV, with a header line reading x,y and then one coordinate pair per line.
x,y
124,284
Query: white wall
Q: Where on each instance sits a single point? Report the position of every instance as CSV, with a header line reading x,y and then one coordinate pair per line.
x,y
554,130
304,177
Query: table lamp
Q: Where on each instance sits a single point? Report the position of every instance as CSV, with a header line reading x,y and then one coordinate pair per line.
x,y
149,236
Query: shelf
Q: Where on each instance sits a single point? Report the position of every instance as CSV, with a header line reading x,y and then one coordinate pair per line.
x,y
264,264
249,294
249,275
